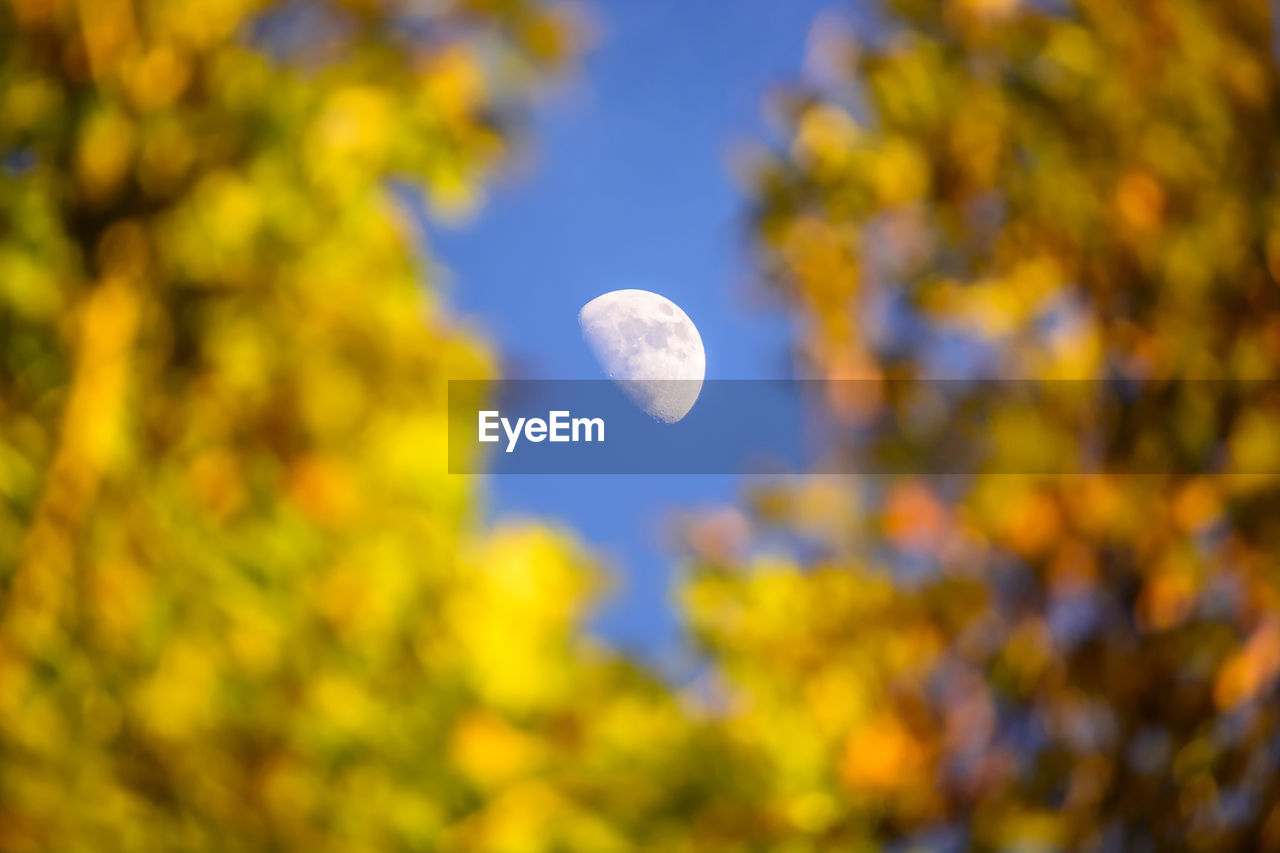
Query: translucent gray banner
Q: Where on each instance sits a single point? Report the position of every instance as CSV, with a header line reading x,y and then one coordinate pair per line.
x,y
900,426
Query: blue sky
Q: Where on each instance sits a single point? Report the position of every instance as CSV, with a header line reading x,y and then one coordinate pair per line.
x,y
627,184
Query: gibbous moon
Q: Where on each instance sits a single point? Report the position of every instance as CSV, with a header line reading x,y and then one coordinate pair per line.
x,y
643,340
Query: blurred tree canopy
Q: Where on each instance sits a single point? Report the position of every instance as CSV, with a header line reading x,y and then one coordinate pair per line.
x,y
243,607
1075,190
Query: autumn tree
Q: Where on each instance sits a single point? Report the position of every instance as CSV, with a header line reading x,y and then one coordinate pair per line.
x,y
242,605
1080,190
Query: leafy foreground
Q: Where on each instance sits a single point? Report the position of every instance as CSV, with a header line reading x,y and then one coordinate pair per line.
x,y
1071,191
244,607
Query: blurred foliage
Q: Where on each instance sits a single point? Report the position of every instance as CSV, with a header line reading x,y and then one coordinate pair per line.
x,y
1081,190
242,605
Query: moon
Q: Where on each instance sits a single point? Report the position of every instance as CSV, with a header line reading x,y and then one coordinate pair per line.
x,y
643,341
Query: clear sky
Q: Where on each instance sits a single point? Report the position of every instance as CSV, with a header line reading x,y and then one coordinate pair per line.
x,y
627,185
